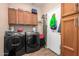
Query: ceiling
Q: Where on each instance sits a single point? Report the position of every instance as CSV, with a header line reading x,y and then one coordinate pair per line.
x,y
44,4
39,4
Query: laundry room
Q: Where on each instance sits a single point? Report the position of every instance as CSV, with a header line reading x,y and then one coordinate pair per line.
x,y
25,31
39,29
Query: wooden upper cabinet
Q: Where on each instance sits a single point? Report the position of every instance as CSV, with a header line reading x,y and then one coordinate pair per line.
x,y
27,18
68,8
69,36
12,16
20,17
30,19
34,19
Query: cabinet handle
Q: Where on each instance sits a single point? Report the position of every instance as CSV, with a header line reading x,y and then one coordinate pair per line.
x,y
76,21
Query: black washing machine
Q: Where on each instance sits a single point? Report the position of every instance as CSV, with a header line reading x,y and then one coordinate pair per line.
x,y
32,42
14,43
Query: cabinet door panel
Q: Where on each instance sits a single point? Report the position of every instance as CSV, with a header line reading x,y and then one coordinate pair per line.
x,y
27,18
68,8
20,17
69,36
12,16
34,19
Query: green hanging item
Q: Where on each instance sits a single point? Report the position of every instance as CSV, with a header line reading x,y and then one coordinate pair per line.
x,y
53,22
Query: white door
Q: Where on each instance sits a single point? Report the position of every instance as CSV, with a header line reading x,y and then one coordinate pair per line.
x,y
54,38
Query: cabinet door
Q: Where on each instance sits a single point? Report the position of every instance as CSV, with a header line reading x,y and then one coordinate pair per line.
x,y
34,19
78,35
68,8
27,18
69,36
12,16
20,17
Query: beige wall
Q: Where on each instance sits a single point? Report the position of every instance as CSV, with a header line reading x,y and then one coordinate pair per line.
x,y
26,7
3,25
48,6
